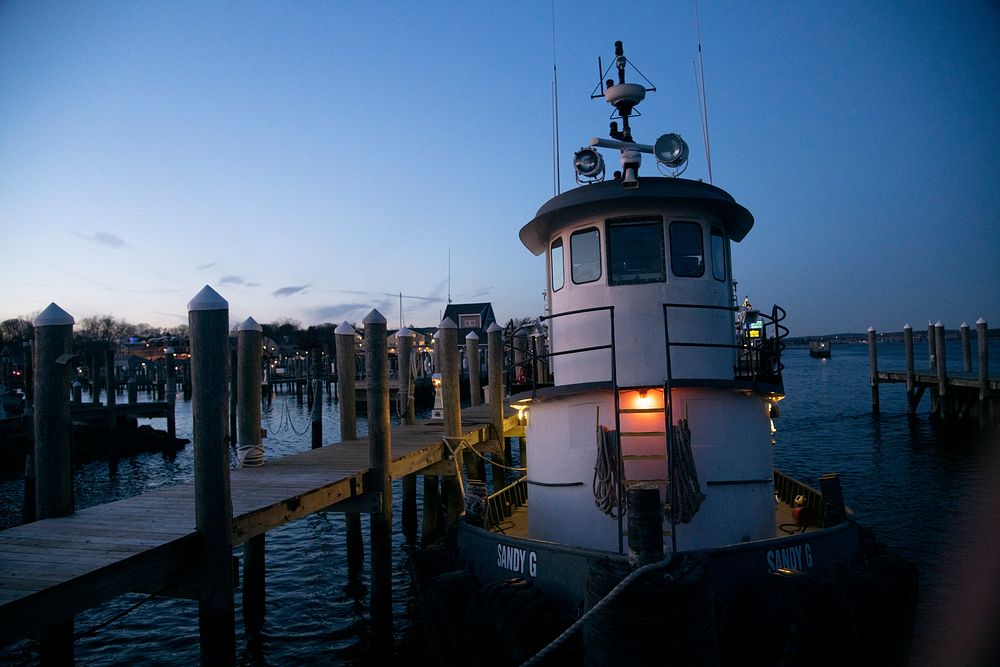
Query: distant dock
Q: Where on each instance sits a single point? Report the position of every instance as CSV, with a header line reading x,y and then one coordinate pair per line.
x,y
955,395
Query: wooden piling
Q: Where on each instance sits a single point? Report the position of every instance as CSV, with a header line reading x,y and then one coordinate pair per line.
x,y
404,343
53,466
249,346
494,371
911,377
249,352
873,364
171,392
208,323
472,355
133,391
963,332
233,396
942,371
452,412
316,397
931,347
984,364
111,383
346,388
377,371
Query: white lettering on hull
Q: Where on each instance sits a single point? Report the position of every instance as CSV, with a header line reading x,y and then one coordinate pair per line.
x,y
797,557
517,560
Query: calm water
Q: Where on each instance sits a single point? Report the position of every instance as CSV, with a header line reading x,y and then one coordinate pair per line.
x,y
914,483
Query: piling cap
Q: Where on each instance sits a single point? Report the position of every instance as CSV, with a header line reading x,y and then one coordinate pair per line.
x,y
404,333
494,327
344,329
963,325
374,317
980,321
53,315
471,336
907,327
249,324
208,299
871,329
938,324
447,323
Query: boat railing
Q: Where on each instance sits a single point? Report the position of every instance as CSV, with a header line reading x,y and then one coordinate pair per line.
x,y
530,376
758,349
501,505
794,493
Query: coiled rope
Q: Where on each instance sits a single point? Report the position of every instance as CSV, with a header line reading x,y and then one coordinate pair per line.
x,y
607,472
683,477
403,397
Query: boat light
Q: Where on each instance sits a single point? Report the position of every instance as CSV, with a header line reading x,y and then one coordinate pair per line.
x,y
670,150
589,165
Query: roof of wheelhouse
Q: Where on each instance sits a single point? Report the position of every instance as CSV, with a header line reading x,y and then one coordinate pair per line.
x,y
609,197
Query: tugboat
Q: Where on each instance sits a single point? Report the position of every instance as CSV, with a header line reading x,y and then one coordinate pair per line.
x,y
651,525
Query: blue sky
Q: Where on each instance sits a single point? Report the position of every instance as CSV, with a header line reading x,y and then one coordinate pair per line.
x,y
313,160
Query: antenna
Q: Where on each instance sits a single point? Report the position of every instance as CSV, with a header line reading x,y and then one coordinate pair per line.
x,y
449,275
400,310
702,100
555,109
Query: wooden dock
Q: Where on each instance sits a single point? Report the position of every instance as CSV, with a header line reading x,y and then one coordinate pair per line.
x,y
954,395
53,569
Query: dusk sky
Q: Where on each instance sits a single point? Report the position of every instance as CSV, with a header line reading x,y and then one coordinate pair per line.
x,y
313,160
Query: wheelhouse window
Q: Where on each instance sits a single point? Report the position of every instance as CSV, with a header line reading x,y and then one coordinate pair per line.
x,y
556,265
635,252
687,253
718,254
585,254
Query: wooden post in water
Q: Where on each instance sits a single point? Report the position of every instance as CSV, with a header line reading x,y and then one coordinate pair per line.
x,y
452,412
433,526
208,323
316,357
963,331
233,426
931,347
984,365
380,452
475,391
942,371
111,385
249,352
911,378
494,370
472,354
404,341
53,466
346,389
873,363
171,392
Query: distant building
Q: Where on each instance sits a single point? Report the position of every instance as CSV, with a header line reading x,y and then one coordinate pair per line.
x,y
471,317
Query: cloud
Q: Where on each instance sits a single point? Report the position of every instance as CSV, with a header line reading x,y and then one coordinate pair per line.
x,y
237,280
339,312
104,238
288,291
204,266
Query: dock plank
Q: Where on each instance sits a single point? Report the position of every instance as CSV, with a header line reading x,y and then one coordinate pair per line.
x,y
53,569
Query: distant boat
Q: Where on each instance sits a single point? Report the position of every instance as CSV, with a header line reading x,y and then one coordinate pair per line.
x,y
819,349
